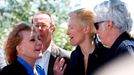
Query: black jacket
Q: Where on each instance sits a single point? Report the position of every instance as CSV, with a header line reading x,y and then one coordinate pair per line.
x,y
124,44
77,62
101,55
16,68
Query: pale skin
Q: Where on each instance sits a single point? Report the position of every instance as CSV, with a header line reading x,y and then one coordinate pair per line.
x,y
43,24
80,36
109,31
30,48
59,66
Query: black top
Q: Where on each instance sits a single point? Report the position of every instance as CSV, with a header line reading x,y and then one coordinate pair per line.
x,y
77,62
16,68
101,55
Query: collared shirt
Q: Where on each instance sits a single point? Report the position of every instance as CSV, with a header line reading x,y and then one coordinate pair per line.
x,y
44,61
26,65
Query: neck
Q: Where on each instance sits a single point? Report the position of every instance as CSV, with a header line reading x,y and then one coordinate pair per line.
x,y
46,44
113,36
87,47
30,61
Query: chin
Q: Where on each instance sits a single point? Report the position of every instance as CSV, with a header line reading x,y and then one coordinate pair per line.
x,y
38,57
73,44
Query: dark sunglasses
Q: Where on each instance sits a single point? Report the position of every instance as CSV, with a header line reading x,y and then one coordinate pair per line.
x,y
96,24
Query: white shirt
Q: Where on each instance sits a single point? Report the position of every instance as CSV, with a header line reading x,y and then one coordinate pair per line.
x,y
54,50
44,61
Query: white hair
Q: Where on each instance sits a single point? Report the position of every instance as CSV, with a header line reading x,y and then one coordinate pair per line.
x,y
117,12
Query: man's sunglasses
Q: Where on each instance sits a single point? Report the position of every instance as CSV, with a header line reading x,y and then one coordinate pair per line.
x,y
96,24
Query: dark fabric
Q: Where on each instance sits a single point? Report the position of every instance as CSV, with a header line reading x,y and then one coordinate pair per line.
x,y
15,68
77,62
124,44
119,47
51,64
100,56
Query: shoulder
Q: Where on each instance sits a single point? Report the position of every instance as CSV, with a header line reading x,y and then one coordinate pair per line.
x,y
9,69
14,68
57,51
127,46
76,53
127,43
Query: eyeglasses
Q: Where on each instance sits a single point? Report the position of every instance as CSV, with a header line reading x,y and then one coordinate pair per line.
x,y
42,26
97,23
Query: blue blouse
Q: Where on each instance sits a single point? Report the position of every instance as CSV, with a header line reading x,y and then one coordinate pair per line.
x,y
26,65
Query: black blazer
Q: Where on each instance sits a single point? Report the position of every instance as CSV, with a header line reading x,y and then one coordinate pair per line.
x,y
51,64
16,68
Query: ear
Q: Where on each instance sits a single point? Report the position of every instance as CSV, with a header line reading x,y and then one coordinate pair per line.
x,y
86,29
18,48
110,25
53,28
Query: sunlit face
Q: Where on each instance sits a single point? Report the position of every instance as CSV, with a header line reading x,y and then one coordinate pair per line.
x,y
103,33
42,22
30,46
75,32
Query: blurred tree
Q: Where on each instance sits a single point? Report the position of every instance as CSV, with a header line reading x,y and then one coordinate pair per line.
x,y
13,11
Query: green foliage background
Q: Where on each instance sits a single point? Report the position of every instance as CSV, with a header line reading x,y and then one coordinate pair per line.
x,y
13,11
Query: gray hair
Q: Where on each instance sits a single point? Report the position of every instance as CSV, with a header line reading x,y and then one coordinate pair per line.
x,y
116,11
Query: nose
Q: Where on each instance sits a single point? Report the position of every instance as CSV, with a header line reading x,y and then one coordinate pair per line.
x,y
40,28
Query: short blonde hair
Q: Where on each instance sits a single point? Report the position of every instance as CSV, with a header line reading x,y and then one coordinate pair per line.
x,y
85,17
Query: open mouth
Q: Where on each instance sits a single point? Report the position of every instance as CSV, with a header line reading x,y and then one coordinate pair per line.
x,y
38,49
71,37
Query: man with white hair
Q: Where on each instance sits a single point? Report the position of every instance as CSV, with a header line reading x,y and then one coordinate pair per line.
x,y
113,24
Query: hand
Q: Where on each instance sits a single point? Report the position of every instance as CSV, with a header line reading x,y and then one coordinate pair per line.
x,y
59,66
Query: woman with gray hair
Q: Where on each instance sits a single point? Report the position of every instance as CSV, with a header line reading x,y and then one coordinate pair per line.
x,y
113,24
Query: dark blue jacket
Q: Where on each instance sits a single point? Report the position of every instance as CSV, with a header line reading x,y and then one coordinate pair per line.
x,y
101,55
124,44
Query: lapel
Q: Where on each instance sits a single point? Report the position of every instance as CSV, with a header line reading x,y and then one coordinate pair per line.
x,y
51,64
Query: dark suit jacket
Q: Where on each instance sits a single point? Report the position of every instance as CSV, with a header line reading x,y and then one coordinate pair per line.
x,y
16,68
58,52
51,64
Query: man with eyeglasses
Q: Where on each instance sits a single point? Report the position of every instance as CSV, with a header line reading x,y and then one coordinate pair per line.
x,y
113,24
42,21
